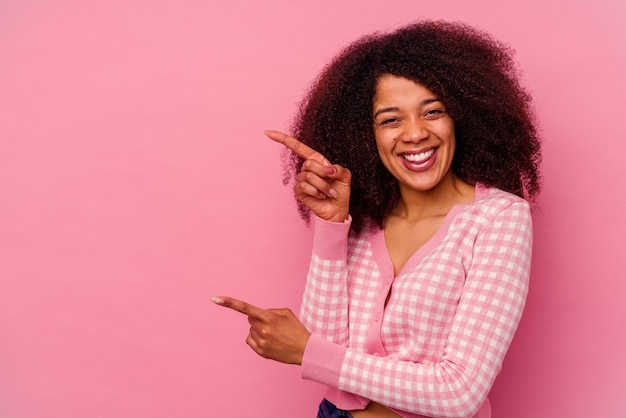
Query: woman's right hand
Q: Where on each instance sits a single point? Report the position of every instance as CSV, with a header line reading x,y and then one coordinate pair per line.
x,y
323,187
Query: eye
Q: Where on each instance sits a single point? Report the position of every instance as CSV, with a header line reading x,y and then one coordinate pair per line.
x,y
434,113
389,122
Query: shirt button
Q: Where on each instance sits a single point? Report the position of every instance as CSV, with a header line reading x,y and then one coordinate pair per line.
x,y
377,316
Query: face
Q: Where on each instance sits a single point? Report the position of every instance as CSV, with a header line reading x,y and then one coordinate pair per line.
x,y
414,133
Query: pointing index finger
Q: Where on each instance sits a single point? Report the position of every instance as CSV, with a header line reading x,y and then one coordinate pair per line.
x,y
240,306
298,147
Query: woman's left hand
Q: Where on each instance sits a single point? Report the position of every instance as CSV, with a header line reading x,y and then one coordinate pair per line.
x,y
274,333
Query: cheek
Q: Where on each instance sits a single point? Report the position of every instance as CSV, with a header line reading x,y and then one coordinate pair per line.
x,y
452,137
379,149
384,143
379,144
384,152
452,146
385,158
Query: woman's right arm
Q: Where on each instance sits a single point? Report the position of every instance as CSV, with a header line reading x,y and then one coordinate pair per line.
x,y
325,189
324,308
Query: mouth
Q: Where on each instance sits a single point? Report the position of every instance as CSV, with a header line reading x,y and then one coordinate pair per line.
x,y
418,162
418,158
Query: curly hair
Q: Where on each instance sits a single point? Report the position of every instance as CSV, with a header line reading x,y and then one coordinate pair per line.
x,y
470,72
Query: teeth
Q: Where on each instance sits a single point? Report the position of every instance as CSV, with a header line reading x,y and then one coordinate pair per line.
x,y
419,157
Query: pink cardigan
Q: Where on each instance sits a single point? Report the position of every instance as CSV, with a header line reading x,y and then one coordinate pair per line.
x,y
436,347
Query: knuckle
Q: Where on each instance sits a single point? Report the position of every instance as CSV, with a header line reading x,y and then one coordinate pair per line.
x,y
309,176
344,171
300,179
271,318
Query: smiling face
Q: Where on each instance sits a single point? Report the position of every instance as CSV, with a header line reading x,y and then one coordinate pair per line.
x,y
414,133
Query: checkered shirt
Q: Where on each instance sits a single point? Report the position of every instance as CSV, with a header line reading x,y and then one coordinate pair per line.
x,y
437,345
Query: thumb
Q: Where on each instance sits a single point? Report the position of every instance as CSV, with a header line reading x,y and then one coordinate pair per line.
x,y
337,172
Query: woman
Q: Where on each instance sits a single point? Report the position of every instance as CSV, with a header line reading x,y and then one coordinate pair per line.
x,y
422,230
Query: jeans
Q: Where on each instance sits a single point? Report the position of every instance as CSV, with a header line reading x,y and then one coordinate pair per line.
x,y
328,410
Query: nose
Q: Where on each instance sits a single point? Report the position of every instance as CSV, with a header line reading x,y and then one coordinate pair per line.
x,y
415,130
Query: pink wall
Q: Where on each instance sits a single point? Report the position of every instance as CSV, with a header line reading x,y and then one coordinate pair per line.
x,y
135,183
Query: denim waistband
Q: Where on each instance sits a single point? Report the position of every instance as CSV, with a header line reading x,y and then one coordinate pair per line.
x,y
328,410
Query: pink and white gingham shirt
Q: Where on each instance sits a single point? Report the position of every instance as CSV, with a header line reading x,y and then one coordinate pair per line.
x,y
436,347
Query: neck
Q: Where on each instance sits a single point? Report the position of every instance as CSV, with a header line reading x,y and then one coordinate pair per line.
x,y
418,204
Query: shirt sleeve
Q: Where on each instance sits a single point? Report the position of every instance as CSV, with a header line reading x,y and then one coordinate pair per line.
x,y
486,318
324,309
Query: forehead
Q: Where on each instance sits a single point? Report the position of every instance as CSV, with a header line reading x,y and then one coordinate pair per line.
x,y
397,88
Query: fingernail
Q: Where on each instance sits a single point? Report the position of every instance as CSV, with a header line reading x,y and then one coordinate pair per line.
x,y
329,169
333,193
265,132
217,300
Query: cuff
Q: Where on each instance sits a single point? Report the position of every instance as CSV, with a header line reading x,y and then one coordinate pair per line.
x,y
330,239
322,361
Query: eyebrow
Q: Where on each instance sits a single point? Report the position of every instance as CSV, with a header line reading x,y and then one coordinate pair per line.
x,y
395,109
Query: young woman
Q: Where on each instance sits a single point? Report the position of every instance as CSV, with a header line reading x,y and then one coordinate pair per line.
x,y
416,154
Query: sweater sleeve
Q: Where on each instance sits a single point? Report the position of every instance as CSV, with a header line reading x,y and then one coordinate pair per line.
x,y
324,309
486,318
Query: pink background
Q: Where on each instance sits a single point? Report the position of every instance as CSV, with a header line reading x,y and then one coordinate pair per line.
x,y
135,183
